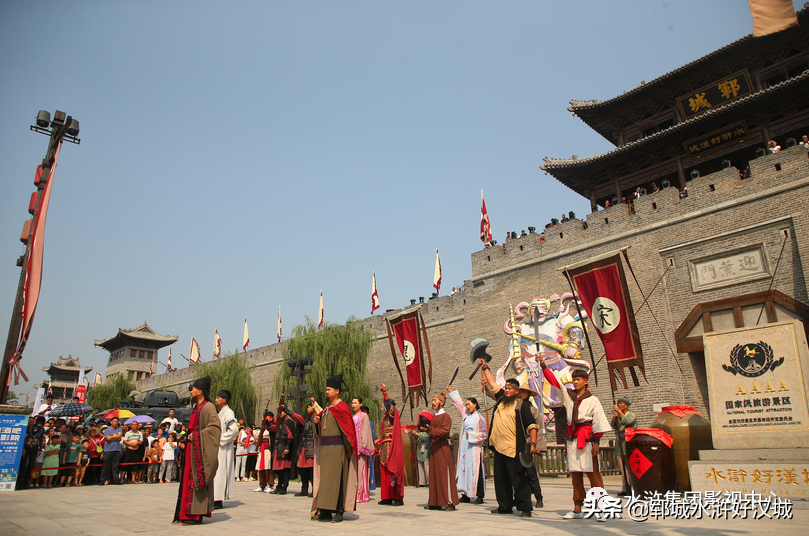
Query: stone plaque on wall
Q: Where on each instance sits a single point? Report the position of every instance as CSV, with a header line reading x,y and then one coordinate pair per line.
x,y
789,479
757,385
729,268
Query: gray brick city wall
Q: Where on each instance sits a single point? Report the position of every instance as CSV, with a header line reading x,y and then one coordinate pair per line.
x,y
720,214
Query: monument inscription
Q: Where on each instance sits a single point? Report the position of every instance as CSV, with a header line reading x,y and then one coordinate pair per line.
x,y
757,385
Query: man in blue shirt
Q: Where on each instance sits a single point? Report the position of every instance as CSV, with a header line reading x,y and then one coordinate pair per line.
x,y
112,453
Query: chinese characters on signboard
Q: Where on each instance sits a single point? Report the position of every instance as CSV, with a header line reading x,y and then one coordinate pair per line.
x,y
729,267
717,139
12,436
728,89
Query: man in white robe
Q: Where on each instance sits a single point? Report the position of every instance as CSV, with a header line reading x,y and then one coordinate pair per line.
x,y
224,483
586,424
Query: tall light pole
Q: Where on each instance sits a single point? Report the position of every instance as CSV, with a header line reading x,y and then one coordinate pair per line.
x,y
62,128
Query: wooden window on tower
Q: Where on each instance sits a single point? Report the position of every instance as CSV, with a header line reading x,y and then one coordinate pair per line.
x,y
133,353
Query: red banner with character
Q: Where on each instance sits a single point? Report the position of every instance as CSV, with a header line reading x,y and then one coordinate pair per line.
x,y
414,349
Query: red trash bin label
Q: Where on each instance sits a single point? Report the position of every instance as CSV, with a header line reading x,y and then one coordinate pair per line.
x,y
638,463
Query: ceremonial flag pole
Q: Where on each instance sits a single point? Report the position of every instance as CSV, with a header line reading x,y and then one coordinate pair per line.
x,y
168,361
246,339
437,273
98,380
217,344
151,364
485,224
278,330
320,312
374,294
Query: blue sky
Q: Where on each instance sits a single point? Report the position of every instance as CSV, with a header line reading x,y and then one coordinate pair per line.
x,y
240,156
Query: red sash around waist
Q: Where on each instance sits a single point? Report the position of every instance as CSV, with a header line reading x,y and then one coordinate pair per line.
x,y
584,433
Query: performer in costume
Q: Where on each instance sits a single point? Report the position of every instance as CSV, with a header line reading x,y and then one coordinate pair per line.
x,y
512,431
282,456
265,443
622,419
586,424
371,469
365,447
305,455
526,393
224,485
442,481
469,473
423,448
335,457
199,450
391,454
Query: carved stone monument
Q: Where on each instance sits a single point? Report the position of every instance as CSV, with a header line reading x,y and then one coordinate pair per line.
x,y
758,380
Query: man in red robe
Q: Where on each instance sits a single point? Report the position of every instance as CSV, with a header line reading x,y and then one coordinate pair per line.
x,y
335,457
442,476
200,453
391,454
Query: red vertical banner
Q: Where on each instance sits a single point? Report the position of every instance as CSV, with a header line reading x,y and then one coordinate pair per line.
x,y
601,286
411,339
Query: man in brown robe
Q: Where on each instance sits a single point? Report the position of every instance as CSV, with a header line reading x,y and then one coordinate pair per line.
x,y
442,477
200,453
335,457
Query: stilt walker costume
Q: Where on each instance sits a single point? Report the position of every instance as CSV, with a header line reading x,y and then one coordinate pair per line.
x,y
199,450
335,457
391,454
224,484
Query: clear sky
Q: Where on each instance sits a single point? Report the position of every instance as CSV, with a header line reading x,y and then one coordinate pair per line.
x,y
238,156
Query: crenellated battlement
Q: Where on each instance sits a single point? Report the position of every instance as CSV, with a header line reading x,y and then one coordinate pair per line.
x,y
770,174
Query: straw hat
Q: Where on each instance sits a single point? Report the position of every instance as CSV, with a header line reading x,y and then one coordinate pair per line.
x,y
527,388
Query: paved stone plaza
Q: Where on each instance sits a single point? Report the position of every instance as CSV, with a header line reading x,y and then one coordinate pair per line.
x,y
149,508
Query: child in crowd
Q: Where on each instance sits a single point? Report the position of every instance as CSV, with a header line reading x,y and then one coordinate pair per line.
x,y
167,459
70,459
84,461
154,463
51,462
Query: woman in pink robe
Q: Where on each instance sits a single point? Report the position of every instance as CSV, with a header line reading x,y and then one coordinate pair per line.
x,y
365,447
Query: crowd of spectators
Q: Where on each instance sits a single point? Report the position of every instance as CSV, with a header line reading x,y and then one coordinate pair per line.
x,y
61,452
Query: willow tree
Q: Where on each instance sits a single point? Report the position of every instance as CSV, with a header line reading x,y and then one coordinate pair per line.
x,y
232,373
334,349
109,395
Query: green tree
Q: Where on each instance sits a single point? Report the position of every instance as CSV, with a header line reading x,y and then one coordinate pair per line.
x,y
109,395
335,349
232,373
11,398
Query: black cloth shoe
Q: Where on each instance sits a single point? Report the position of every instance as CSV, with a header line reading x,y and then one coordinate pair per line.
x,y
191,522
301,493
324,517
397,503
450,508
498,511
338,517
540,504
432,507
525,514
384,502
217,505
479,500
464,499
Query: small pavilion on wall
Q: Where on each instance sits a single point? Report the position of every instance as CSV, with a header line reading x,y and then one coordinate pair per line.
x,y
132,351
63,377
